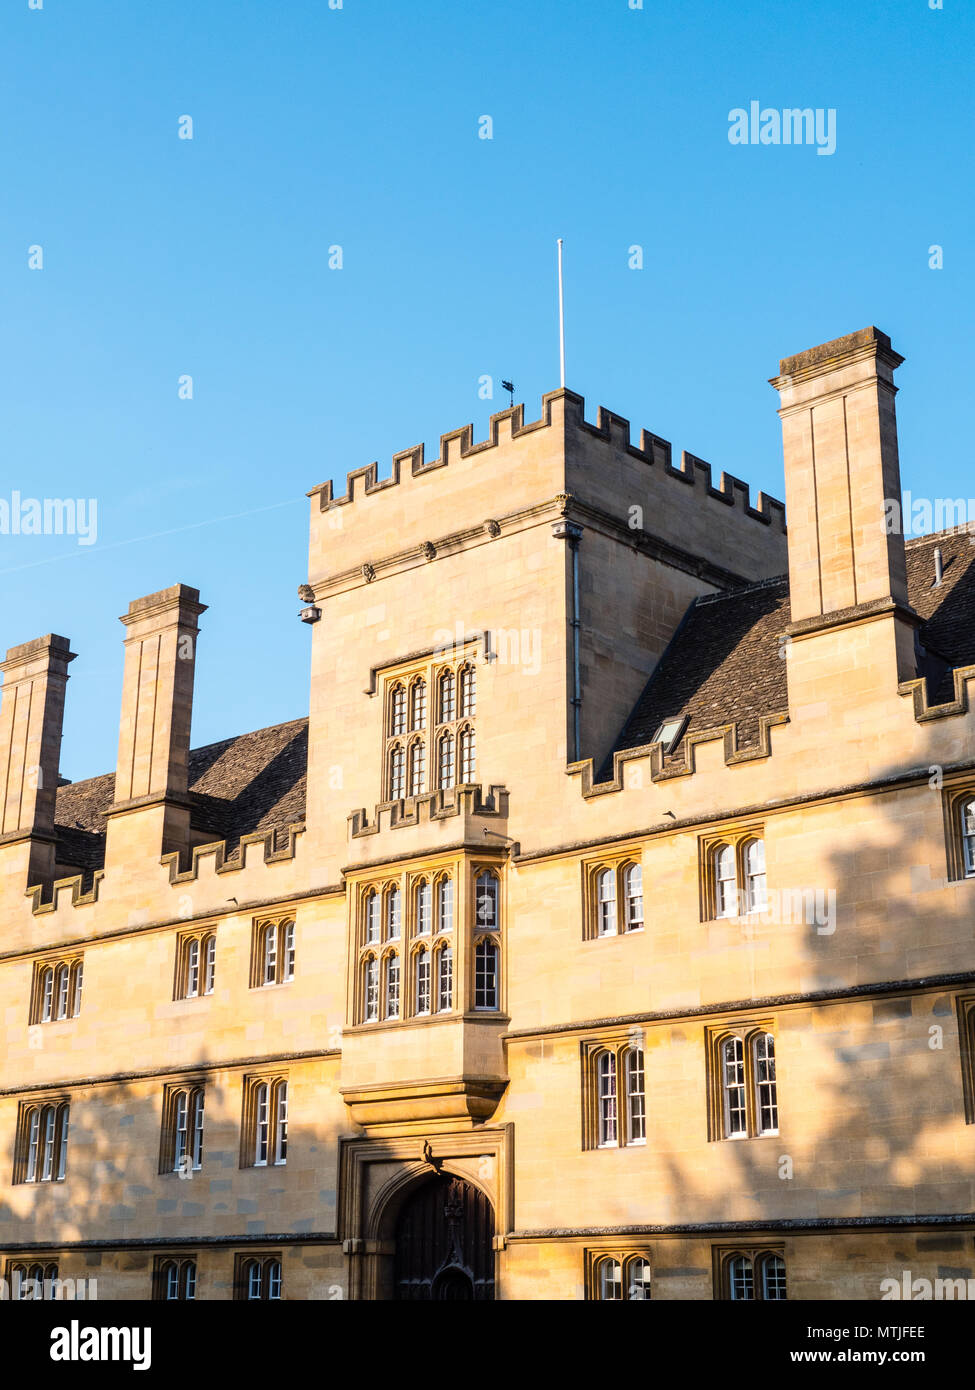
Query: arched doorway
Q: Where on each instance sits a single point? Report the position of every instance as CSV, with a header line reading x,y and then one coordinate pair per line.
x,y
444,1243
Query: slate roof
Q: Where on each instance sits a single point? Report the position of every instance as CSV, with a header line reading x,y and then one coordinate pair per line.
x,y
723,664
722,667
252,783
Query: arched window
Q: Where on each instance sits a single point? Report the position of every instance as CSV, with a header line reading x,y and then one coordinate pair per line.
x,y
610,1281
418,704
447,698
270,954
79,975
741,1281
418,767
467,756
445,979
486,956
260,1279
262,1123
633,896
397,710
446,761
31,1283
638,1279
606,901
766,1095
47,1143
192,969
47,995
445,904
397,773
424,908
392,985
468,692
772,1269
606,1099
636,1105
733,1086
209,965
370,990
421,968
61,988
725,881
755,881
372,915
968,836
187,1129
486,894
177,1280
280,1122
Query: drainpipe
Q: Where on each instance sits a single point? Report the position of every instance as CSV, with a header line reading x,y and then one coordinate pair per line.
x,y
569,531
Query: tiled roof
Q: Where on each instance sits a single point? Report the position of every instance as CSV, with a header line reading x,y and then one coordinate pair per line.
x,y
252,783
723,665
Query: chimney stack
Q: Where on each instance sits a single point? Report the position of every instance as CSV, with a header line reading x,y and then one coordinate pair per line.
x,y
157,707
839,435
31,717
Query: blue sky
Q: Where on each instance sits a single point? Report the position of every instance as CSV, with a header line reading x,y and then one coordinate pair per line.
x,y
358,127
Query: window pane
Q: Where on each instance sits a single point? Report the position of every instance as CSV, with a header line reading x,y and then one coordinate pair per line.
x,y
47,986
638,1279
372,917
445,904
261,1124
447,695
445,979
468,699
740,1282
418,768
633,888
180,1120
733,1062
765,1088
398,710
274,1279
371,991
210,969
418,718
486,975
636,1115
424,908
198,1129
192,969
467,756
62,991
606,901
397,774
423,982
610,1281
606,1082
486,902
773,1277
755,875
270,954
189,1279
79,973
281,1124
392,986
289,951
726,884
447,761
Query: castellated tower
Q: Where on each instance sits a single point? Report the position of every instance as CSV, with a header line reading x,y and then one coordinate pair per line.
x,y
557,554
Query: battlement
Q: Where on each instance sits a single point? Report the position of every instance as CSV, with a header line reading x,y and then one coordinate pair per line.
x,y
564,412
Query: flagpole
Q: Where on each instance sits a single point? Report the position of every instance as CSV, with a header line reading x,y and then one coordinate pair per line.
x,y
561,321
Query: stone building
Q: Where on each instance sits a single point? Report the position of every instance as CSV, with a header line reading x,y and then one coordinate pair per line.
x,y
606,930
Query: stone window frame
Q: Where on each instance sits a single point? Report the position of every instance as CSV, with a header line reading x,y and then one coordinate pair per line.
x,y
25,1265
626,1256
273,1078
184,940
184,1265
738,837
243,1260
481,934
715,1035
430,669
618,1044
61,1105
259,928
73,965
617,864
192,1087
723,1254
953,799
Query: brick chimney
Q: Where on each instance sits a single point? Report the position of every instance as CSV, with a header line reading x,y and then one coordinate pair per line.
x,y
31,715
157,706
839,435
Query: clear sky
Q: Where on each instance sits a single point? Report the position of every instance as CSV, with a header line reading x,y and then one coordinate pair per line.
x,y
359,127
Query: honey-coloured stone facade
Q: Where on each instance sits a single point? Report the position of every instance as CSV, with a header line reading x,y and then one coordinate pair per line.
x,y
388,1011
